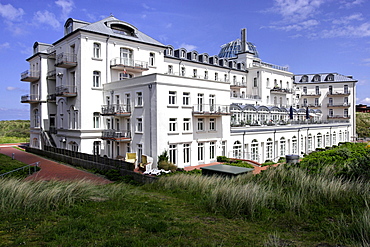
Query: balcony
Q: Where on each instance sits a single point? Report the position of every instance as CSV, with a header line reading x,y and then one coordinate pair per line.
x,y
51,98
32,98
66,91
66,60
116,135
116,110
128,65
336,93
339,117
311,105
51,75
237,84
211,110
339,105
30,76
281,90
316,94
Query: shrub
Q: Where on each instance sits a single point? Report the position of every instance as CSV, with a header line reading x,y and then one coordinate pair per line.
x,y
222,159
166,165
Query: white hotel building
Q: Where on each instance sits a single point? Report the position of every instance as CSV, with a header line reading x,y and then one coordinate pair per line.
x,y
106,88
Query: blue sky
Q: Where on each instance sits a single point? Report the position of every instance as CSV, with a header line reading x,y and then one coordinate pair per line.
x,y
309,36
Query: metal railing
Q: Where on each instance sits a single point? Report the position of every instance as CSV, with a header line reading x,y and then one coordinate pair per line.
x,y
30,73
65,89
66,58
35,165
215,109
128,62
116,134
115,109
31,97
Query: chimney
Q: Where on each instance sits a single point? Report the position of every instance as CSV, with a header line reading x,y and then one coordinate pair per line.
x,y
244,40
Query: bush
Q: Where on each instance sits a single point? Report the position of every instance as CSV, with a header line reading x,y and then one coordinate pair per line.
x,y
222,159
166,165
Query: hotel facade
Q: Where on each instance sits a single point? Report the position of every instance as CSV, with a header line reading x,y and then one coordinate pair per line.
x,y
105,88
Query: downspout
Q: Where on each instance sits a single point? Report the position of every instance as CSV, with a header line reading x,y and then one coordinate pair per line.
x,y
243,145
150,119
107,62
274,145
298,142
307,141
330,137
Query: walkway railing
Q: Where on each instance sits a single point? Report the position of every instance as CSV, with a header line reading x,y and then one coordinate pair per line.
x,y
35,165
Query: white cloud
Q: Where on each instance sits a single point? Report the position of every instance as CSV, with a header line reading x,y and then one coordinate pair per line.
x,y
348,19
11,88
297,9
4,45
351,4
46,17
66,5
297,26
10,13
188,47
359,31
365,101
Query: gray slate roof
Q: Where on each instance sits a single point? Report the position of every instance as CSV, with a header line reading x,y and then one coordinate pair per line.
x,y
323,78
101,27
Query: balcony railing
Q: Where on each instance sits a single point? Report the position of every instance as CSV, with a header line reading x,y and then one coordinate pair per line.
x,y
129,64
339,116
66,60
51,75
281,90
305,94
32,98
238,84
211,110
123,110
339,93
30,76
51,98
311,105
116,135
66,91
268,65
339,105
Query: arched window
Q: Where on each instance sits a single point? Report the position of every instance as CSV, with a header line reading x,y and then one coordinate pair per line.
x,y
319,140
294,145
254,150
282,147
237,150
269,149
309,143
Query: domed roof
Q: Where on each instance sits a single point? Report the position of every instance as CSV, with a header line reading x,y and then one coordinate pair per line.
x,y
231,49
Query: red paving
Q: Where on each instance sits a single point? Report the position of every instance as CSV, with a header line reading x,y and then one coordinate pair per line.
x,y
50,170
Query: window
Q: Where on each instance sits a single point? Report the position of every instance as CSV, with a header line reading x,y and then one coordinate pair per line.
x,y
170,69
304,90
126,56
317,90
316,101
183,71
304,102
345,113
255,82
269,150
172,124
212,101
36,118
139,149
186,152
330,89
212,124
216,76
172,98
206,74
200,101
331,113
139,125
200,124
124,75
254,150
186,98
200,151
223,146
345,100
309,143
225,77
319,140
96,148
294,145
346,89
282,147
186,124
195,73
96,120
139,98
212,150
96,79
172,153
97,50
234,79
151,59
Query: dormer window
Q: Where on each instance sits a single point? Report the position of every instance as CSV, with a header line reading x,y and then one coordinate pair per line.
x,y
69,28
183,54
304,78
122,29
316,78
330,77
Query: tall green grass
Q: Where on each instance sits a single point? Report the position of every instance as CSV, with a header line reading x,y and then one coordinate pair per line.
x,y
280,191
18,195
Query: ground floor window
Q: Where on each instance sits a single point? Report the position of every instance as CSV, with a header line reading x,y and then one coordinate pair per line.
x,y
237,150
186,153
212,150
172,153
201,151
97,147
254,150
269,149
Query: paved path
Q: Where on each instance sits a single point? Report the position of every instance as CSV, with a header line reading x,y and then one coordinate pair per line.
x,y
256,170
50,170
